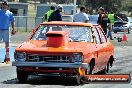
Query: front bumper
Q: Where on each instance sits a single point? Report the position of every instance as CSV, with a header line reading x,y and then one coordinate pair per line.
x,y
49,64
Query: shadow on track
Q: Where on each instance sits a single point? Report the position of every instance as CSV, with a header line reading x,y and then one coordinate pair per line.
x,y
45,80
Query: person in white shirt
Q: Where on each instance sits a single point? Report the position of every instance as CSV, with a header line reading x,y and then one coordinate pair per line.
x,y
81,16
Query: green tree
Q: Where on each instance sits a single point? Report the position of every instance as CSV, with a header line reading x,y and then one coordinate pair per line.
x,y
23,1
56,1
43,1
109,5
10,0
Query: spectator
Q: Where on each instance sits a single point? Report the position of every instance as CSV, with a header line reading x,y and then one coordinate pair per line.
x,y
6,17
56,15
103,20
111,16
81,16
109,32
46,16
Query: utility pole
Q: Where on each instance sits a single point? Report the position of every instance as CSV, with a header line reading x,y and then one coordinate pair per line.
x,y
74,12
35,4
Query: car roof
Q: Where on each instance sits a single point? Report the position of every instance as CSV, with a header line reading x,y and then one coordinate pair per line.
x,y
67,23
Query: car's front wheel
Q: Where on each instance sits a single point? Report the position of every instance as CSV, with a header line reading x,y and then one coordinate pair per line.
x,y
79,80
89,69
22,76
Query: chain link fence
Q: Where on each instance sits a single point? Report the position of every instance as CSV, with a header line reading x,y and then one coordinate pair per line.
x,y
27,23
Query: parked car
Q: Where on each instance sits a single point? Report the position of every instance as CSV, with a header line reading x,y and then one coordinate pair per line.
x,y
128,24
70,49
67,18
121,23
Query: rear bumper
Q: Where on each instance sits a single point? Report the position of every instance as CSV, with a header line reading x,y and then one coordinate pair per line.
x,y
47,64
120,29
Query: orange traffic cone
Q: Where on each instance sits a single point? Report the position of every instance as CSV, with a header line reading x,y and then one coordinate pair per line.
x,y
124,37
7,58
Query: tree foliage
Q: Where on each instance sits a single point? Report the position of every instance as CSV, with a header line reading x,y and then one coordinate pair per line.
x,y
23,1
109,5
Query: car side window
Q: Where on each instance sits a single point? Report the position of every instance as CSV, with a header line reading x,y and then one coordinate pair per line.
x,y
96,36
40,34
89,35
79,34
102,36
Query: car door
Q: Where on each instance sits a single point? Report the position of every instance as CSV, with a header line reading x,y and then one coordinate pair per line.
x,y
98,50
102,47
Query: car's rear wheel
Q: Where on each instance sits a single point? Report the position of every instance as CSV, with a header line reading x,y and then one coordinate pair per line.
x,y
107,67
22,76
115,31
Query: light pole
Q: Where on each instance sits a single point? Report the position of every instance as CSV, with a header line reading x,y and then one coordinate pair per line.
x,y
35,4
74,12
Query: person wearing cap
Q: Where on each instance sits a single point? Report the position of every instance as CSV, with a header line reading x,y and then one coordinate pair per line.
x,y
81,16
103,20
6,17
56,15
101,11
46,16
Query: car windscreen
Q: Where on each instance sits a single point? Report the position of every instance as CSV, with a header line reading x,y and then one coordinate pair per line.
x,y
76,33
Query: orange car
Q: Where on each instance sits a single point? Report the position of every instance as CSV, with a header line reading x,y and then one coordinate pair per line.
x,y
64,48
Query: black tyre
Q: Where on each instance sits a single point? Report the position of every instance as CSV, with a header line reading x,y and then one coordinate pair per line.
x,y
22,76
80,80
89,69
107,67
115,31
